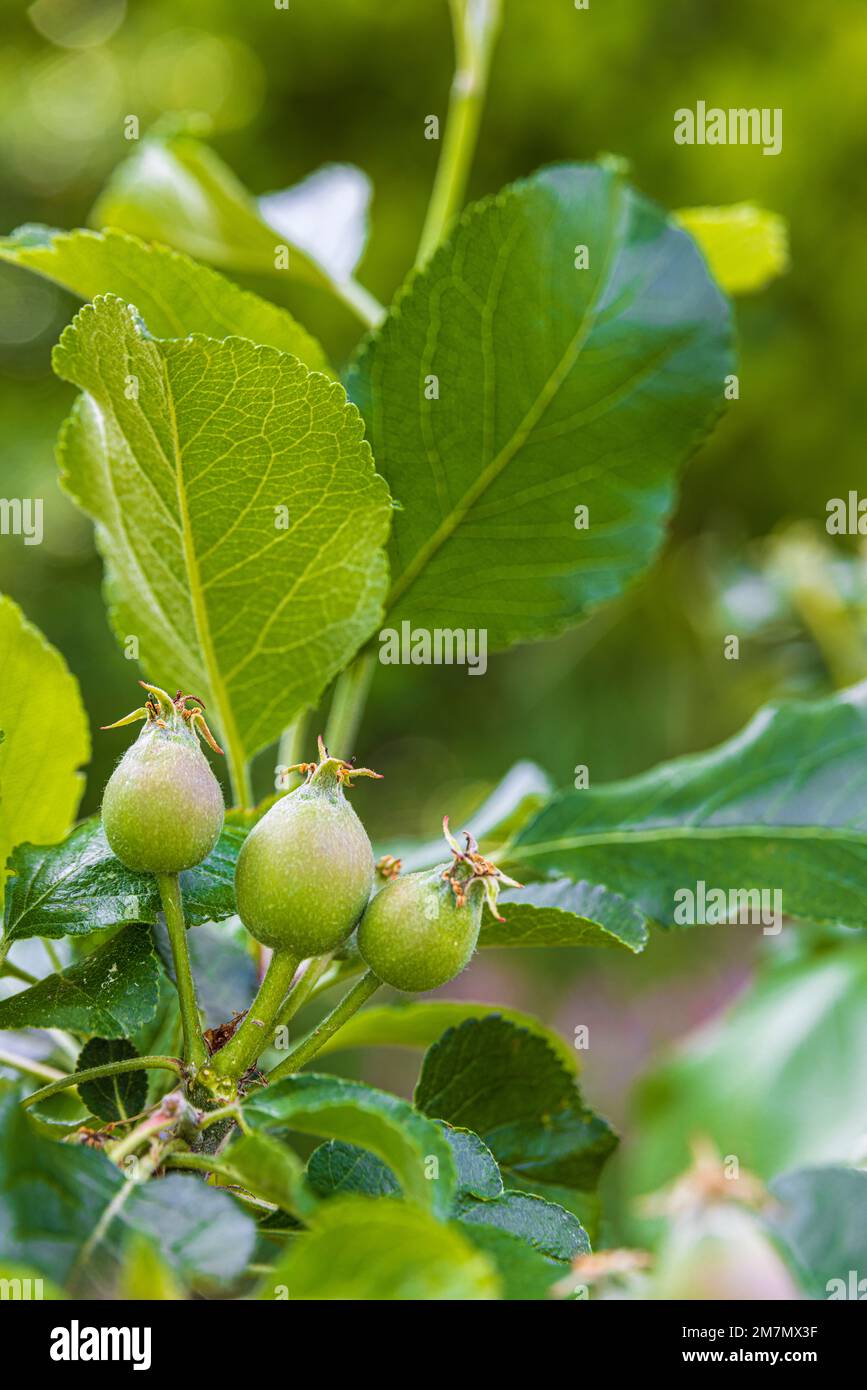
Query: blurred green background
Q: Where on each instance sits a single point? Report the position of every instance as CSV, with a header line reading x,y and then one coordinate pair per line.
x,y
352,80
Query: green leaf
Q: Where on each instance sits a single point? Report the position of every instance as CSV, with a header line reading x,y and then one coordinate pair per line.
x,y
45,737
69,1212
764,1080
562,913
174,295
187,473
336,1169
745,246
524,790
821,1215
531,1241
478,1171
418,1025
268,1168
558,387
112,1097
333,1108
78,886
359,1250
781,806
510,1087
110,993
175,189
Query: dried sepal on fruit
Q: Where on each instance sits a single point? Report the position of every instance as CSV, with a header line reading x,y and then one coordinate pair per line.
x,y
420,930
163,808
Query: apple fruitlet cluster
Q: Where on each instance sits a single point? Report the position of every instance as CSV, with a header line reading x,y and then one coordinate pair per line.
x,y
305,877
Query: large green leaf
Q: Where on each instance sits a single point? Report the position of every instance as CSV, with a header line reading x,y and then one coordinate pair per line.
x,y
110,993
562,913
782,806
765,1080
191,456
70,1213
421,1023
509,1087
558,387
174,295
359,1250
333,1108
79,886
821,1215
44,738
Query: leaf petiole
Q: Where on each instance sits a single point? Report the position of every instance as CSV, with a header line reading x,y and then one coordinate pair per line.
x,y
108,1069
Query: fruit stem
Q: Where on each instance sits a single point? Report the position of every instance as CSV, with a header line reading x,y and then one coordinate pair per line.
x,y
347,703
257,1030
331,1024
108,1069
195,1051
303,988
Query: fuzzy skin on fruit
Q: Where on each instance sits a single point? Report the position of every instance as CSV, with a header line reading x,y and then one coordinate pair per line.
x,y
414,935
163,807
305,872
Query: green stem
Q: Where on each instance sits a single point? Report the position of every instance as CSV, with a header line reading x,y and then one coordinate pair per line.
x,y
303,988
347,705
28,1066
225,1112
201,1163
195,1051
52,955
108,1069
474,43
5,948
16,973
257,1030
331,1024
